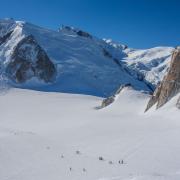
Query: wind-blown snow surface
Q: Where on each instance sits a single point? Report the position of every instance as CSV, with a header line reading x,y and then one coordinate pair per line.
x,y
37,128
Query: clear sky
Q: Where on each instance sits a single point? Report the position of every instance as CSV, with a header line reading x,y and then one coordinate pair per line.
x,y
137,23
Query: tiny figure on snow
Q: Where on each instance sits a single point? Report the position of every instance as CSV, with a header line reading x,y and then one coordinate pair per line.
x,y
101,158
121,162
70,168
84,170
62,156
48,147
78,152
110,162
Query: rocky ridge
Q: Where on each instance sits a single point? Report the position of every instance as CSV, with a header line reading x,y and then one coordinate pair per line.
x,y
170,85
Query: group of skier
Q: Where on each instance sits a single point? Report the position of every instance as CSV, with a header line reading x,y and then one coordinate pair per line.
x,y
100,158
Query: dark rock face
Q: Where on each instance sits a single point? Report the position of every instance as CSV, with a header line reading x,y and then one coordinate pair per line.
x,y
77,31
5,37
170,86
84,34
106,53
154,97
107,101
30,60
178,103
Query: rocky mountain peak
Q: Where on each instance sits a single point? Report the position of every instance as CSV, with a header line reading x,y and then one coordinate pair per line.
x,y
170,86
79,32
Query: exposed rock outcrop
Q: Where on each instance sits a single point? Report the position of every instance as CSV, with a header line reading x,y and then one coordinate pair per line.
x,y
84,34
5,37
106,53
76,31
178,103
170,85
111,99
30,60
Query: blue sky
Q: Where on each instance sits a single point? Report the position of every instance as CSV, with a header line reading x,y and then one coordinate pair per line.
x,y
137,23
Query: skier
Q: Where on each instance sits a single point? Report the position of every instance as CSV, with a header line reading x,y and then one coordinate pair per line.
x,y
78,152
48,147
121,161
110,162
101,158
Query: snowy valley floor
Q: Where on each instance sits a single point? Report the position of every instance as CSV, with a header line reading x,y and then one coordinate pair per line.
x,y
37,128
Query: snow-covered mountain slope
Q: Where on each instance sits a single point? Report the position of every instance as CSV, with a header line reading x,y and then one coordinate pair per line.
x,y
40,133
84,63
149,64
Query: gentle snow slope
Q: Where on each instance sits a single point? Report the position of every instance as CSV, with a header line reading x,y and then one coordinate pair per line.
x,y
36,128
